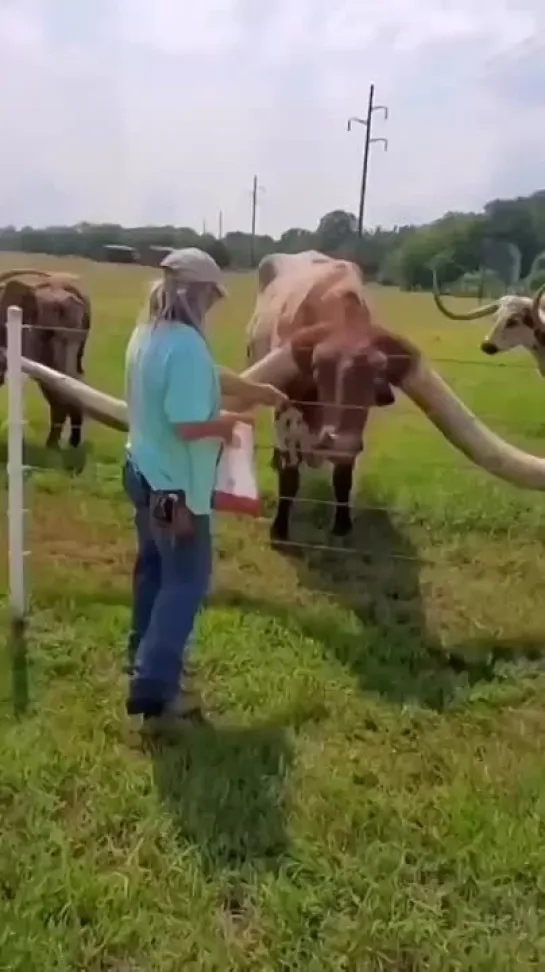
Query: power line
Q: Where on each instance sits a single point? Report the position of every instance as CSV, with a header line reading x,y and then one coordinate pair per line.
x,y
367,122
255,189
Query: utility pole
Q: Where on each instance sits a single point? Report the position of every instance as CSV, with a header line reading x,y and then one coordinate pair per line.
x,y
220,225
255,189
371,108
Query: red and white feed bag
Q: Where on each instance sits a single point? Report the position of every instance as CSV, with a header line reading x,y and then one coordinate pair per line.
x,y
236,481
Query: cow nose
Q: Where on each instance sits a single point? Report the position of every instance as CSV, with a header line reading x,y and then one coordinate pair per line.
x,y
488,348
339,444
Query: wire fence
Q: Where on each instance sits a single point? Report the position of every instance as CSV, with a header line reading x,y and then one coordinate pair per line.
x,y
18,469
401,356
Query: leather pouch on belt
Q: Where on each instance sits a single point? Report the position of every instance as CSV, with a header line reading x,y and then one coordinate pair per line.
x,y
170,513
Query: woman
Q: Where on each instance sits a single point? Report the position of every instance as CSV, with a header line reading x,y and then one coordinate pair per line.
x,y
176,431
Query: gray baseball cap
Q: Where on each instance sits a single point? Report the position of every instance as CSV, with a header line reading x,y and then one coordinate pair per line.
x,y
191,265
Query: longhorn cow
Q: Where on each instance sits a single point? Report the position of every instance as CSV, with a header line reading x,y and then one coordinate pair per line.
x,y
519,322
316,304
313,328
56,323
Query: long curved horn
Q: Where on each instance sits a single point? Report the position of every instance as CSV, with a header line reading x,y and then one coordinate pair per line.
x,y
104,408
275,369
458,424
473,315
278,367
422,385
536,305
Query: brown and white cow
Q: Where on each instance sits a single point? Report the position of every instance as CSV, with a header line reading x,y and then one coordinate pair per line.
x,y
56,323
316,305
339,348
519,322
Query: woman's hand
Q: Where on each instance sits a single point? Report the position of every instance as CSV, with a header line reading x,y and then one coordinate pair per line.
x,y
228,421
250,393
269,395
222,428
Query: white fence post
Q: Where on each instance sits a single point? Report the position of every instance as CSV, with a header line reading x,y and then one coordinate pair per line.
x,y
16,495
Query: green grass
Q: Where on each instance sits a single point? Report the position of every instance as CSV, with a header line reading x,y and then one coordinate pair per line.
x,y
372,794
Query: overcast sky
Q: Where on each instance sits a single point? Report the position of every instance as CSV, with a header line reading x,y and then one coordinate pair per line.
x,y
152,111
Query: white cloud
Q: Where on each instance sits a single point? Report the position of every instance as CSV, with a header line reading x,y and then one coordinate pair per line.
x,y
178,26
20,30
135,111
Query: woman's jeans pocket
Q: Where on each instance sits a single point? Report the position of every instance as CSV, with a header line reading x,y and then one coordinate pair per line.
x,y
135,486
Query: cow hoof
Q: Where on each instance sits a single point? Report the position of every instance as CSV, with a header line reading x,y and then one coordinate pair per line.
x,y
342,528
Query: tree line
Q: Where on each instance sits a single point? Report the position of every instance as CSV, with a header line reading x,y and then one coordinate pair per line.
x,y
498,248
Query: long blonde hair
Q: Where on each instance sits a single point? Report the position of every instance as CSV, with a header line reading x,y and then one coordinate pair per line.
x,y
171,299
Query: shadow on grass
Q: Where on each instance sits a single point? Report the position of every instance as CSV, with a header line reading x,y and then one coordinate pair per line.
x,y
37,456
387,645
17,647
225,790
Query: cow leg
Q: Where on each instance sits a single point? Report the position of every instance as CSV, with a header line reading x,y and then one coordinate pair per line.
x,y
288,487
76,425
75,414
57,418
342,488
58,413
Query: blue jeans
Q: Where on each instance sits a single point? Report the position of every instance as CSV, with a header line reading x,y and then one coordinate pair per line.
x,y
170,582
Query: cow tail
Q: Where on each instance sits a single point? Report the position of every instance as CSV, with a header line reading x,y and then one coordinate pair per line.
x,y
81,349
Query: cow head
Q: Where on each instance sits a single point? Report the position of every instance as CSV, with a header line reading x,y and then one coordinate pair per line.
x,y
515,326
349,365
18,294
53,317
519,322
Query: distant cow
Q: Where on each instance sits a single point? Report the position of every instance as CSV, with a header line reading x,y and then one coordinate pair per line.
x,y
519,323
56,322
317,304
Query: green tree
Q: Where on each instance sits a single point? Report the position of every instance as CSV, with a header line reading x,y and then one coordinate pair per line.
x,y
335,229
506,238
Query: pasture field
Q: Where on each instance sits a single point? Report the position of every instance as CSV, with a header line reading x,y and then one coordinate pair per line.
x,y
372,794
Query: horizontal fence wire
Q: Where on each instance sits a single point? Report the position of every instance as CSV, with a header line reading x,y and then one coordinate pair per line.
x,y
396,409
93,470
433,359
291,545
342,547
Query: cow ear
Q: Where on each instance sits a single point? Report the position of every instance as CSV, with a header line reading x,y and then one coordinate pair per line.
x,y
378,366
376,359
384,393
400,355
302,355
533,325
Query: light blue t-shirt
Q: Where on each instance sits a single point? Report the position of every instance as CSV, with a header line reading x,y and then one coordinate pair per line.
x,y
171,378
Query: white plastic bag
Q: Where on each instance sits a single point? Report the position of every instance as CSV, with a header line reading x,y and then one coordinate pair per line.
x,y
236,481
